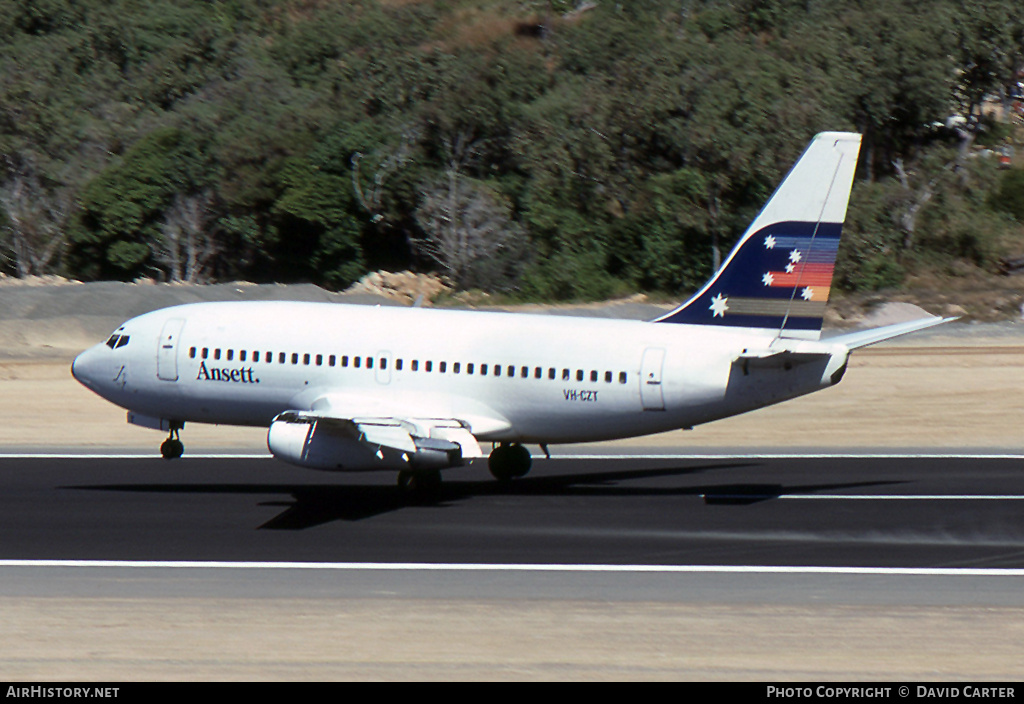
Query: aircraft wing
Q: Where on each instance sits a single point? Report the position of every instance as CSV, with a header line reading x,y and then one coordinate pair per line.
x,y
323,441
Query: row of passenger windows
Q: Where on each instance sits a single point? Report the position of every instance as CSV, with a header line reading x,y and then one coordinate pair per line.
x,y
471,368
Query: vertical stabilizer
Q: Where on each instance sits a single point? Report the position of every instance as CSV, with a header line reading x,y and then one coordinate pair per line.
x,y
779,274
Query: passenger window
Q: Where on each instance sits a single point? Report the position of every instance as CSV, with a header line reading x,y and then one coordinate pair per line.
x,y
538,373
383,362
206,352
216,353
331,360
593,375
524,372
295,357
192,353
231,355
456,367
369,362
415,365
442,367
511,371
551,373
357,362
398,365
579,375
565,375
280,357
622,377
319,360
469,368
344,360
607,377
483,370
429,366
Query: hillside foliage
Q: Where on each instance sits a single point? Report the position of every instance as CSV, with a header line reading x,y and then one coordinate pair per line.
x,y
552,149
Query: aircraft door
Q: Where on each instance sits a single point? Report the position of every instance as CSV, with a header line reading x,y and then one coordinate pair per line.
x,y
167,353
651,395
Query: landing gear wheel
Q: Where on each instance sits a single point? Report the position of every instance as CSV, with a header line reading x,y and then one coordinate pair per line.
x,y
509,461
422,483
172,448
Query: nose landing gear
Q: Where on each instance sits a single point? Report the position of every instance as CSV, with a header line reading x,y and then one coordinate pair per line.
x,y
172,448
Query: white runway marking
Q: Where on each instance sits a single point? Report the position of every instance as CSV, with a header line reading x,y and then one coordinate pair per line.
x,y
484,567
617,456
109,456
895,497
798,456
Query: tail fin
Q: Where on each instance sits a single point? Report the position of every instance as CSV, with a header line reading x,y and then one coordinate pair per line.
x,y
778,275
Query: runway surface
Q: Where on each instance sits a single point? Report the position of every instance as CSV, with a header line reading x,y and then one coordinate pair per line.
x,y
758,563
739,510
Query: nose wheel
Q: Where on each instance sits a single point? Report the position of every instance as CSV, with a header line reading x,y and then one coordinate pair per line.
x,y
172,448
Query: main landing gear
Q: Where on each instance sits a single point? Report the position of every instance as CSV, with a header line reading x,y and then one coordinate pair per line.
x,y
424,482
509,461
172,448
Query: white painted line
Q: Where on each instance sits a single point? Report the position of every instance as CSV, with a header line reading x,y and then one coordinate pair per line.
x,y
108,456
884,497
704,456
485,567
798,456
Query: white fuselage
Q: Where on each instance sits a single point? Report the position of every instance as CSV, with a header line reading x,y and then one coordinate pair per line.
x,y
508,377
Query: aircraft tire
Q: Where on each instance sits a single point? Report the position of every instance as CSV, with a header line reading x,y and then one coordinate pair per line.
x,y
172,449
419,483
509,461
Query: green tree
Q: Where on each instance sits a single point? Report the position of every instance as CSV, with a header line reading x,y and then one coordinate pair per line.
x,y
121,209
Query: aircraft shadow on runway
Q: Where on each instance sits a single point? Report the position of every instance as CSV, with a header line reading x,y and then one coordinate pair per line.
x,y
312,505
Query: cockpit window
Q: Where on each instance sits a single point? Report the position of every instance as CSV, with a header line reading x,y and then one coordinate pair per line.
x,y
117,341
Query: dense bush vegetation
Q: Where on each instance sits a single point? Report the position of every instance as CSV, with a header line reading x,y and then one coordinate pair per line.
x,y
553,148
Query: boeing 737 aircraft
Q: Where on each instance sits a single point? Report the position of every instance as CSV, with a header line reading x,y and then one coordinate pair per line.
x,y
413,390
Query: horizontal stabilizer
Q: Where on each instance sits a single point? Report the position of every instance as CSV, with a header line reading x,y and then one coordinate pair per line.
x,y
863,338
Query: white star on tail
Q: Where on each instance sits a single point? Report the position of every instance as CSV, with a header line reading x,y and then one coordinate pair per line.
x,y
768,279
807,294
769,242
795,256
719,306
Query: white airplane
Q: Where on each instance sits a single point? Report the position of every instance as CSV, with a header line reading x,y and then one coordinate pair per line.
x,y
413,390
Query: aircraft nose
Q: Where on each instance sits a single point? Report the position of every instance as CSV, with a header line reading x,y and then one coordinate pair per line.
x,y
85,368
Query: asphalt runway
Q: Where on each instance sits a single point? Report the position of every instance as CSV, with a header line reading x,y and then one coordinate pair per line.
x,y
826,511
930,543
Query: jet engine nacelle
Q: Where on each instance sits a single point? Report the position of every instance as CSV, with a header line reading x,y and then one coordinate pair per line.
x,y
342,445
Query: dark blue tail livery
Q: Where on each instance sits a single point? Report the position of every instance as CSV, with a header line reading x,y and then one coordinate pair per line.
x,y
779,274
